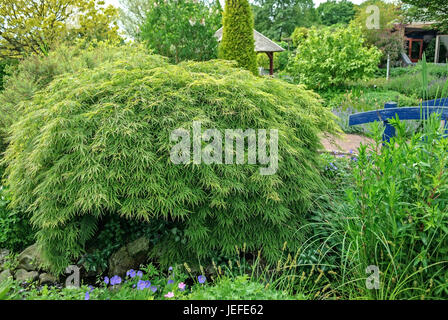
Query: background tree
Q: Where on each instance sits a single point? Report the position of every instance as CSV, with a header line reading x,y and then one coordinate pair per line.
x,y
277,19
385,38
133,15
429,10
238,36
333,12
182,30
331,56
36,26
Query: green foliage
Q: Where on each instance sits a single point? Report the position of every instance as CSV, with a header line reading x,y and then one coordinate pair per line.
x,y
133,15
97,142
299,34
38,28
277,19
330,57
182,30
4,65
400,215
35,73
115,232
15,230
429,10
335,12
280,59
430,51
386,38
409,81
239,288
238,36
5,288
394,215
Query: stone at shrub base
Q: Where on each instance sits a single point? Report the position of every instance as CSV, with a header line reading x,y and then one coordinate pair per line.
x,y
46,278
30,259
26,276
3,254
129,257
4,275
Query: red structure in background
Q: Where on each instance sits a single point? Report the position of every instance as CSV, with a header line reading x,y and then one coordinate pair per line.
x,y
415,49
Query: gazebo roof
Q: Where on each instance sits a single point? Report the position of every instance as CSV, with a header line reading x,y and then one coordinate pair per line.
x,y
262,43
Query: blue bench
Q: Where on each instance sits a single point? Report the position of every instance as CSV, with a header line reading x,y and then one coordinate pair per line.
x,y
391,110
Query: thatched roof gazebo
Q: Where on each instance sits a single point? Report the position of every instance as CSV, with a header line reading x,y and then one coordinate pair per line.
x,y
262,44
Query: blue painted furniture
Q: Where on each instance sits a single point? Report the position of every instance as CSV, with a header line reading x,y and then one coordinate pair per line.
x,y
390,110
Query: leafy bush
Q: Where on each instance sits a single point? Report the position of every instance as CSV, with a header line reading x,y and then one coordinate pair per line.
x,y
329,57
395,217
115,232
299,34
239,288
4,63
182,30
238,36
15,230
96,143
35,73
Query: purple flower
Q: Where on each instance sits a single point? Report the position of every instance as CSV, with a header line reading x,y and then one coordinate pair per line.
x,y
181,286
115,280
350,151
91,288
131,273
139,274
87,296
106,280
153,288
141,285
170,281
170,269
202,279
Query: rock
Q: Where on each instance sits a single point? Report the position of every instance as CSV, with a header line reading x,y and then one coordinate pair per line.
x,y
46,278
26,276
3,254
129,257
30,259
120,262
138,249
5,275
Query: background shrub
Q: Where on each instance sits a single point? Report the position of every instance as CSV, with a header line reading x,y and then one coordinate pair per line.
x,y
36,72
182,30
329,57
97,142
239,288
16,232
238,35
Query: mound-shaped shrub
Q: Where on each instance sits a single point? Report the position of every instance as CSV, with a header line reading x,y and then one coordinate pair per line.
x,y
97,143
35,73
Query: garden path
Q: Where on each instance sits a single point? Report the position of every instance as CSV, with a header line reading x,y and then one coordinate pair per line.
x,y
345,143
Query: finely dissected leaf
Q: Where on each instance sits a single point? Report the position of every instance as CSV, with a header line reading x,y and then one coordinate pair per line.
x,y
97,142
